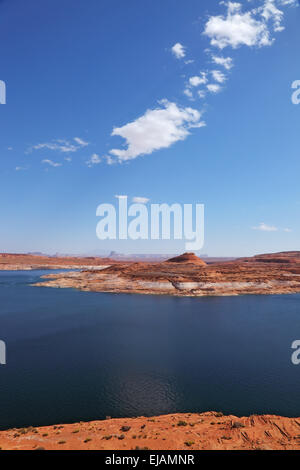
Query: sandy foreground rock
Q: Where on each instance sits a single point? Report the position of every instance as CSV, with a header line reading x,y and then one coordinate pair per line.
x,y
206,431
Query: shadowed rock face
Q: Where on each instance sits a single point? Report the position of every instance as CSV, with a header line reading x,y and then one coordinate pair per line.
x,y
187,258
206,431
188,275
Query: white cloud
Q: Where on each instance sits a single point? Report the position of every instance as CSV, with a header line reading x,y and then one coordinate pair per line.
x,y
265,228
213,87
237,28
140,200
51,163
169,123
157,129
188,93
81,142
20,168
226,62
201,94
122,196
270,228
218,76
94,160
250,28
60,145
178,50
109,159
198,80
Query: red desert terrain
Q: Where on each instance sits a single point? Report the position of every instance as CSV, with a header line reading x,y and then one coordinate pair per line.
x,y
206,431
186,275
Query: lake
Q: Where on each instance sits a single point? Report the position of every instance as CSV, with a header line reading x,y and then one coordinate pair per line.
x,y
77,356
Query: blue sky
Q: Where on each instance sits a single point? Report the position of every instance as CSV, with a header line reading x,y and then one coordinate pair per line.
x,y
190,126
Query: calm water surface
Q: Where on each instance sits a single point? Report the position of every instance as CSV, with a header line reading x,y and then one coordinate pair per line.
x,y
81,356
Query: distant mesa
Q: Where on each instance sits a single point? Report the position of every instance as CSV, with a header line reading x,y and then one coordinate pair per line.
x,y
187,258
287,257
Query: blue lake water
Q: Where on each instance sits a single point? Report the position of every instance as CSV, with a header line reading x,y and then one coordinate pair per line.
x,y
75,356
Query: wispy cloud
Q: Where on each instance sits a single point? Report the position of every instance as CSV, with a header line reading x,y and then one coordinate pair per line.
x,y
51,163
21,168
262,227
60,145
109,160
81,142
94,160
140,200
265,228
201,94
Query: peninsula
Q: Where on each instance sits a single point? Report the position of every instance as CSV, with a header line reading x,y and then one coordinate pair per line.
x,y
187,275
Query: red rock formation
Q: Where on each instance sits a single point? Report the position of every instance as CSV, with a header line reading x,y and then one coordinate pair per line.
x,y
187,258
188,277
205,431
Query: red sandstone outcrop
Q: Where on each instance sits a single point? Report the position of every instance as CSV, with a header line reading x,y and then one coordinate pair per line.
x,y
185,275
242,276
205,431
187,258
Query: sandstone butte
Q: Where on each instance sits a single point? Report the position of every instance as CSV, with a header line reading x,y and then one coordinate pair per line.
x,y
186,275
205,431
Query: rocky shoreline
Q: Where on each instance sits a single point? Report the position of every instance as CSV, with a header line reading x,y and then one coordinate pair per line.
x,y
24,262
189,276
188,431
